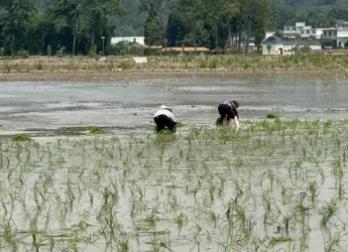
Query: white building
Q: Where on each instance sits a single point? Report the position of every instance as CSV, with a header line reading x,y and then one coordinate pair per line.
x,y
338,35
274,45
138,40
342,34
302,30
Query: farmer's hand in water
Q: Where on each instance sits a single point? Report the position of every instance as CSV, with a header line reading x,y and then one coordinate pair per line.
x,y
236,122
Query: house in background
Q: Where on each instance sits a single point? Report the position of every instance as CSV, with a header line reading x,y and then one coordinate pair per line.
x,y
336,37
342,34
301,30
275,45
138,40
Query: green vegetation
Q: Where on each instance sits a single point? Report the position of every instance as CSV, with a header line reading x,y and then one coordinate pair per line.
x,y
21,138
274,185
272,116
332,65
59,27
94,130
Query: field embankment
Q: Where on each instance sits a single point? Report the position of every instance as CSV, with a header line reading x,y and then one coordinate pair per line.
x,y
12,68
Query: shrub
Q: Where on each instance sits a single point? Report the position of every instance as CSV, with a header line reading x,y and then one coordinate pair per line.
x,y
212,63
23,54
128,48
49,50
126,64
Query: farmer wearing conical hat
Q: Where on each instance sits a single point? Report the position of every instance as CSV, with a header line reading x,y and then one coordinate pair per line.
x,y
228,111
165,119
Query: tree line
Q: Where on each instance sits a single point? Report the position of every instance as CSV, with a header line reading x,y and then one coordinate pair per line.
x,y
66,26
218,24
86,26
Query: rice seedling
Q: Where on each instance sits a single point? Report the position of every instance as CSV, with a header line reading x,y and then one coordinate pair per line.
x,y
94,130
20,138
327,212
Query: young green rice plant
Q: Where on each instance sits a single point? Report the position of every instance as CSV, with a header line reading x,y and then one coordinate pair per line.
x,y
181,220
338,173
9,236
313,190
21,138
327,212
333,244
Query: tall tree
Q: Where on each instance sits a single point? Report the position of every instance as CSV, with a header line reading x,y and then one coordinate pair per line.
x,y
97,14
14,20
154,29
68,17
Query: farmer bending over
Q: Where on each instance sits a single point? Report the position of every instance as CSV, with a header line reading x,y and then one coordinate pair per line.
x,y
228,111
164,118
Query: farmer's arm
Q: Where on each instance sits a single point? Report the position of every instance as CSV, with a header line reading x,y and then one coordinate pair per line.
x,y
236,122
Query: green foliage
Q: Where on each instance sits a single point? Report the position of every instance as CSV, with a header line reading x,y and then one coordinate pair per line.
x,y
153,29
128,48
94,130
15,17
49,50
126,64
76,26
21,138
23,54
272,116
216,24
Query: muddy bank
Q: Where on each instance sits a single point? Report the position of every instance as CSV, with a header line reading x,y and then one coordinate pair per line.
x,y
110,68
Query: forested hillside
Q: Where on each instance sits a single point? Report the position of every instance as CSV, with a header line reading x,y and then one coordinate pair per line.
x,y
86,26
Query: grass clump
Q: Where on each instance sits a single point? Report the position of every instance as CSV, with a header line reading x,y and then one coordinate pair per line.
x,y
272,116
94,130
21,138
165,136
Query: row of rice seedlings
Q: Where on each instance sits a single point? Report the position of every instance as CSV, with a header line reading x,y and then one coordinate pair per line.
x,y
209,168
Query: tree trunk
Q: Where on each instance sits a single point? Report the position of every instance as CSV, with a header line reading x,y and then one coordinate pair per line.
x,y
74,45
239,35
248,36
229,44
75,32
216,38
92,39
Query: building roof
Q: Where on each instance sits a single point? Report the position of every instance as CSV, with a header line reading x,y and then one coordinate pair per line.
x,y
275,40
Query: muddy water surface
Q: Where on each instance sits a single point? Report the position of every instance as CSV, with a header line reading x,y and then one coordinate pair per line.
x,y
130,104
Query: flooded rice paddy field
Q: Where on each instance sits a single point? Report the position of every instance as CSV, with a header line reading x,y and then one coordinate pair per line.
x,y
274,185
131,103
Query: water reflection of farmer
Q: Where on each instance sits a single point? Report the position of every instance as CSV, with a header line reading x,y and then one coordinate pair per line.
x,y
228,111
165,119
